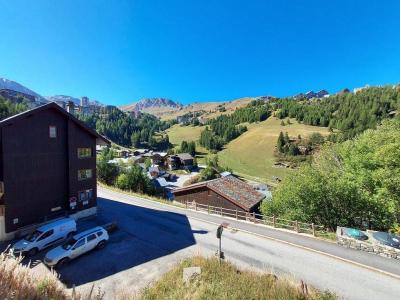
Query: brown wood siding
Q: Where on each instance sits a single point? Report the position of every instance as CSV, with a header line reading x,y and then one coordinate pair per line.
x,y
79,138
41,173
206,196
34,168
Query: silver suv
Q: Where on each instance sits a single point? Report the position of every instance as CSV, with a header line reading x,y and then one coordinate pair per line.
x,y
76,246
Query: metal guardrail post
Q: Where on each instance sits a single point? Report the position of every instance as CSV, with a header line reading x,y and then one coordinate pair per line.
x,y
236,214
273,221
208,209
186,204
313,229
221,210
296,224
254,217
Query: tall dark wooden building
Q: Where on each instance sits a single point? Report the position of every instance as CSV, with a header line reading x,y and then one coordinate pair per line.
x,y
47,168
227,192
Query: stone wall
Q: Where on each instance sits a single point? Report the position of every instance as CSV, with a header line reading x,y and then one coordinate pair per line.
x,y
369,246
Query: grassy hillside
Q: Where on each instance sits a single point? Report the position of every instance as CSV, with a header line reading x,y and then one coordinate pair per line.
x,y
225,281
252,153
211,109
178,133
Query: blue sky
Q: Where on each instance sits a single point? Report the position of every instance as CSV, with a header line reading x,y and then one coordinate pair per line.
x,y
120,51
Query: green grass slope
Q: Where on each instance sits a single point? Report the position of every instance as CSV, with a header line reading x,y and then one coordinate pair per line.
x,y
252,154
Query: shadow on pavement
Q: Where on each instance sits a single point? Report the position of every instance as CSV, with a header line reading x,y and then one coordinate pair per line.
x,y
144,234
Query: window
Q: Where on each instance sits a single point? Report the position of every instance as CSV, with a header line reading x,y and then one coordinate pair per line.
x,y
91,237
80,243
100,233
84,152
52,132
46,235
84,174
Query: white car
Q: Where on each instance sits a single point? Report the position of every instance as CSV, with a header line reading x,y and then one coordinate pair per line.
x,y
79,244
45,236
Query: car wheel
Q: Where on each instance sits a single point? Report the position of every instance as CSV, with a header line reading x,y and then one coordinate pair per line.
x,y
63,262
101,244
33,252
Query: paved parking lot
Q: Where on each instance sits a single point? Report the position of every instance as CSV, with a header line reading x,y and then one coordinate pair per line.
x,y
146,244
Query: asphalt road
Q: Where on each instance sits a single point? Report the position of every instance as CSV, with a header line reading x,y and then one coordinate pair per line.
x,y
154,236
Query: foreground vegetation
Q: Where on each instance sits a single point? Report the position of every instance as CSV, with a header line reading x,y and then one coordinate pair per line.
x,y
225,281
354,183
20,282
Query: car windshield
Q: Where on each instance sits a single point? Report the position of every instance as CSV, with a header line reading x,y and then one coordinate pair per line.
x,y
33,236
68,245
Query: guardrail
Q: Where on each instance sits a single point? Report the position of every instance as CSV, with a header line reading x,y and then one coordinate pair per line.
x,y
272,221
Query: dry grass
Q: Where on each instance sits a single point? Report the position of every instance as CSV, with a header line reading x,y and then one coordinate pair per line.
x,y
21,282
18,281
211,108
225,281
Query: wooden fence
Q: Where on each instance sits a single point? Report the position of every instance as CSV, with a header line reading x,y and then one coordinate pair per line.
x,y
300,227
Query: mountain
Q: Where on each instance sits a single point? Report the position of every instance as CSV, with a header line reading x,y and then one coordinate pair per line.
x,y
63,98
312,94
152,103
15,86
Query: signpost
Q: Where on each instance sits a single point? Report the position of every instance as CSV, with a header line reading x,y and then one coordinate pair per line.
x,y
220,229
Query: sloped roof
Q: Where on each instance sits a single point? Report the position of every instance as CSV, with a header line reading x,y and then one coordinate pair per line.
x,y
99,138
231,188
184,156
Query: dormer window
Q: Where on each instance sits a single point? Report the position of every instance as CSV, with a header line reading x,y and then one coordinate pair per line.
x,y
52,132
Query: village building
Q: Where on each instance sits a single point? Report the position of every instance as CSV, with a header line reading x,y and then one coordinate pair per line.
x,y
180,161
158,158
226,192
173,162
47,168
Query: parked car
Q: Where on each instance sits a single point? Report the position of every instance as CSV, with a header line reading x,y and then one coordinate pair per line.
x,y
79,244
355,234
387,239
45,236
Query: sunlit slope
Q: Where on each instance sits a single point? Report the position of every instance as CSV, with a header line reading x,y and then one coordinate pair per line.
x,y
252,153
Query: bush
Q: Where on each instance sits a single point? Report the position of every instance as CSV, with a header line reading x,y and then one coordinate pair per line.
x,y
354,184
